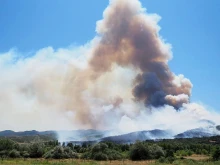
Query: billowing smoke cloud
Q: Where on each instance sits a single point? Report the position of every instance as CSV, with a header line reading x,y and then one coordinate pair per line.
x,y
178,100
121,77
129,38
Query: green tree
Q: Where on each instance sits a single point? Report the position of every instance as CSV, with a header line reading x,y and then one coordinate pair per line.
x,y
169,153
70,145
25,155
60,152
8,145
14,154
99,152
156,151
216,154
102,151
36,150
3,154
100,156
139,151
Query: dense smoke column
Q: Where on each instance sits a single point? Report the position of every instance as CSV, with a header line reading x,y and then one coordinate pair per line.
x,y
129,38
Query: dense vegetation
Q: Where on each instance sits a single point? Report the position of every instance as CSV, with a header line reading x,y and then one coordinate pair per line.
x,y
164,151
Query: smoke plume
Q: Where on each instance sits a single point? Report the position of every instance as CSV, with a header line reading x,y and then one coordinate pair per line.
x,y
130,38
120,77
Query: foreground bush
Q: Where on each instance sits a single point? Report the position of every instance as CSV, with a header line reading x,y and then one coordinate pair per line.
x,y
139,151
156,152
14,154
36,150
216,154
100,156
142,151
101,151
60,152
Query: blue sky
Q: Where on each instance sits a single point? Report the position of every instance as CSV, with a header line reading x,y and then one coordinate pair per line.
x,y
192,27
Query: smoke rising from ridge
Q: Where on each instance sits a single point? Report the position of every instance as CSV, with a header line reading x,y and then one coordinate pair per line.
x,y
130,38
120,77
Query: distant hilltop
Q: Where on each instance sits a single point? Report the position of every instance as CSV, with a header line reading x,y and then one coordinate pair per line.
x,y
97,135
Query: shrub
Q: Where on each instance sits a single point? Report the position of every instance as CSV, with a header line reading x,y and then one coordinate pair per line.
x,y
102,151
189,152
48,154
170,159
100,156
68,153
101,147
114,155
156,151
25,154
86,155
204,152
36,150
216,154
169,153
3,154
60,152
139,151
70,145
14,154
162,160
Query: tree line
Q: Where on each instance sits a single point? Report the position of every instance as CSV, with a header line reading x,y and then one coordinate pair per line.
x,y
162,150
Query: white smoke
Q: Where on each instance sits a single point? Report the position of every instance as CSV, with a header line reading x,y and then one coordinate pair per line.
x,y
58,90
167,118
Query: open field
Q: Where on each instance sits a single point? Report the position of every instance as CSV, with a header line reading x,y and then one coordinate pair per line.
x,y
188,162
197,157
82,162
69,161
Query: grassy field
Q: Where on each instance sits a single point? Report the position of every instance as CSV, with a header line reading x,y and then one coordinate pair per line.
x,y
73,162
188,162
197,157
192,160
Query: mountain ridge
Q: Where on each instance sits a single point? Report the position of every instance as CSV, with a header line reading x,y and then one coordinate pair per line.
x,y
97,135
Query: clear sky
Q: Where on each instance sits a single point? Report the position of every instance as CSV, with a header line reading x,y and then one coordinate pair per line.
x,y
192,27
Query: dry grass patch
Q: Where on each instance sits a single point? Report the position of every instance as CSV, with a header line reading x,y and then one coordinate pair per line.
x,y
69,162
197,157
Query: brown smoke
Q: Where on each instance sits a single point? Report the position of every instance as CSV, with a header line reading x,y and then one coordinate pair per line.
x,y
178,100
129,38
123,70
